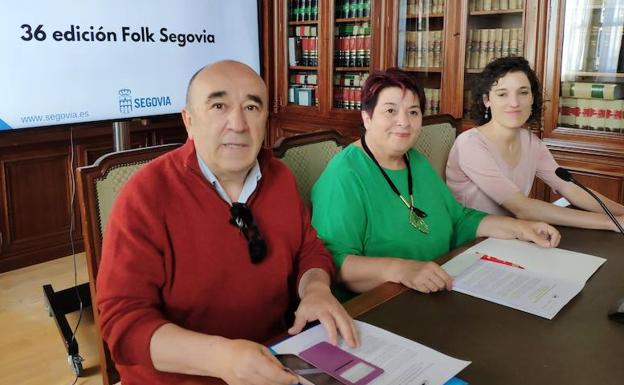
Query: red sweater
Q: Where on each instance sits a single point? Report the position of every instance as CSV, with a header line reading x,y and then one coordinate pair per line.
x,y
171,255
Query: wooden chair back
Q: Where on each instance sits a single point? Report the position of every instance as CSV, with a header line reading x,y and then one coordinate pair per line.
x,y
98,186
307,155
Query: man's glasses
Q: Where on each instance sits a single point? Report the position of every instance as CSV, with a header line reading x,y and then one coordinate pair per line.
x,y
242,218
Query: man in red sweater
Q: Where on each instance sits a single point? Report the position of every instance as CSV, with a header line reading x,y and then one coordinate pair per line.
x,y
208,245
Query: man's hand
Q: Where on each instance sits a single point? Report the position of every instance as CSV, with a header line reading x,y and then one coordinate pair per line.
x,y
318,303
248,363
426,277
540,233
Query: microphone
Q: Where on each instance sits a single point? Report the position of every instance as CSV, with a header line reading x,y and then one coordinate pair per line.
x,y
568,177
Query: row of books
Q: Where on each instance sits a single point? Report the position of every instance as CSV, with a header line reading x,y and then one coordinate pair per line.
x,y
485,45
423,49
432,105
592,114
303,30
495,5
303,78
303,10
352,8
586,90
424,7
353,29
352,46
348,89
355,79
303,46
303,95
603,52
349,98
303,51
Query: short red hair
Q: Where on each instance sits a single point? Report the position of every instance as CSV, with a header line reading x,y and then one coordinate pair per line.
x,y
392,77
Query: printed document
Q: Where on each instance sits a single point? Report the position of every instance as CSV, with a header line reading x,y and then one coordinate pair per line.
x,y
404,361
517,288
555,263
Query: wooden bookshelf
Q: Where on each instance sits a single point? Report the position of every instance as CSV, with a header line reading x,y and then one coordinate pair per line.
x,y
423,69
353,20
303,68
351,69
426,15
496,12
617,75
306,22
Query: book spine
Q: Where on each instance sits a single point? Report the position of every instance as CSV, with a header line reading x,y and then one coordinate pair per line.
x,y
476,48
567,116
469,48
314,51
437,49
483,48
592,90
367,48
505,43
314,10
490,44
498,43
360,49
292,51
429,35
585,114
513,42
411,38
520,42
428,97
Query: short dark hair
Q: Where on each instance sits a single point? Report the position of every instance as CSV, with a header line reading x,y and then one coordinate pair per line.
x,y
377,81
489,77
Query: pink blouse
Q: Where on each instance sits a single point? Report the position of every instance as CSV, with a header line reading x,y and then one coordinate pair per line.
x,y
480,178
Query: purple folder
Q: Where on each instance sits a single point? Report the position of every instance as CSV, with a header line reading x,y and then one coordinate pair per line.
x,y
342,365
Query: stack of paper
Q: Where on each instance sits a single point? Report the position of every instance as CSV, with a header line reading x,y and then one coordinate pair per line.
x,y
403,361
527,277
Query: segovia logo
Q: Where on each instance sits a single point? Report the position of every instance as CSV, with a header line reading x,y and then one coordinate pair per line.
x,y
125,101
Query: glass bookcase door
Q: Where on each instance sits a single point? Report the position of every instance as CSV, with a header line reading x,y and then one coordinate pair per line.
x,y
495,28
351,62
420,45
592,66
302,52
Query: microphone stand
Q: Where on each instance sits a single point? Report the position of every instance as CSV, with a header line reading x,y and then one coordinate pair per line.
x,y
567,176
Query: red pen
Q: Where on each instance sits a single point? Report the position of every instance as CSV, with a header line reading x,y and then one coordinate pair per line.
x,y
490,258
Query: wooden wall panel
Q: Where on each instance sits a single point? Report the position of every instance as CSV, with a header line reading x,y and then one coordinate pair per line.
x,y
35,188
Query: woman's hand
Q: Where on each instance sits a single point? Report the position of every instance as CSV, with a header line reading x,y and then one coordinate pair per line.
x,y
540,233
426,277
501,227
620,219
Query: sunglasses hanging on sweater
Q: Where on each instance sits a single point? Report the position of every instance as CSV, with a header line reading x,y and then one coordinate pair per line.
x,y
242,218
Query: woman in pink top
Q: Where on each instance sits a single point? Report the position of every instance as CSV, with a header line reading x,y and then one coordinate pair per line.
x,y
492,167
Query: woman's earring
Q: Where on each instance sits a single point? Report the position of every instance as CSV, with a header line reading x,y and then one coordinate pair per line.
x,y
486,115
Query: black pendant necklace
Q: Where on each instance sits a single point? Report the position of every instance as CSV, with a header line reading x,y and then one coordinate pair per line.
x,y
415,215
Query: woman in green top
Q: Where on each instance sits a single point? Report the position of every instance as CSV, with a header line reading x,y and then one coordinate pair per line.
x,y
383,211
